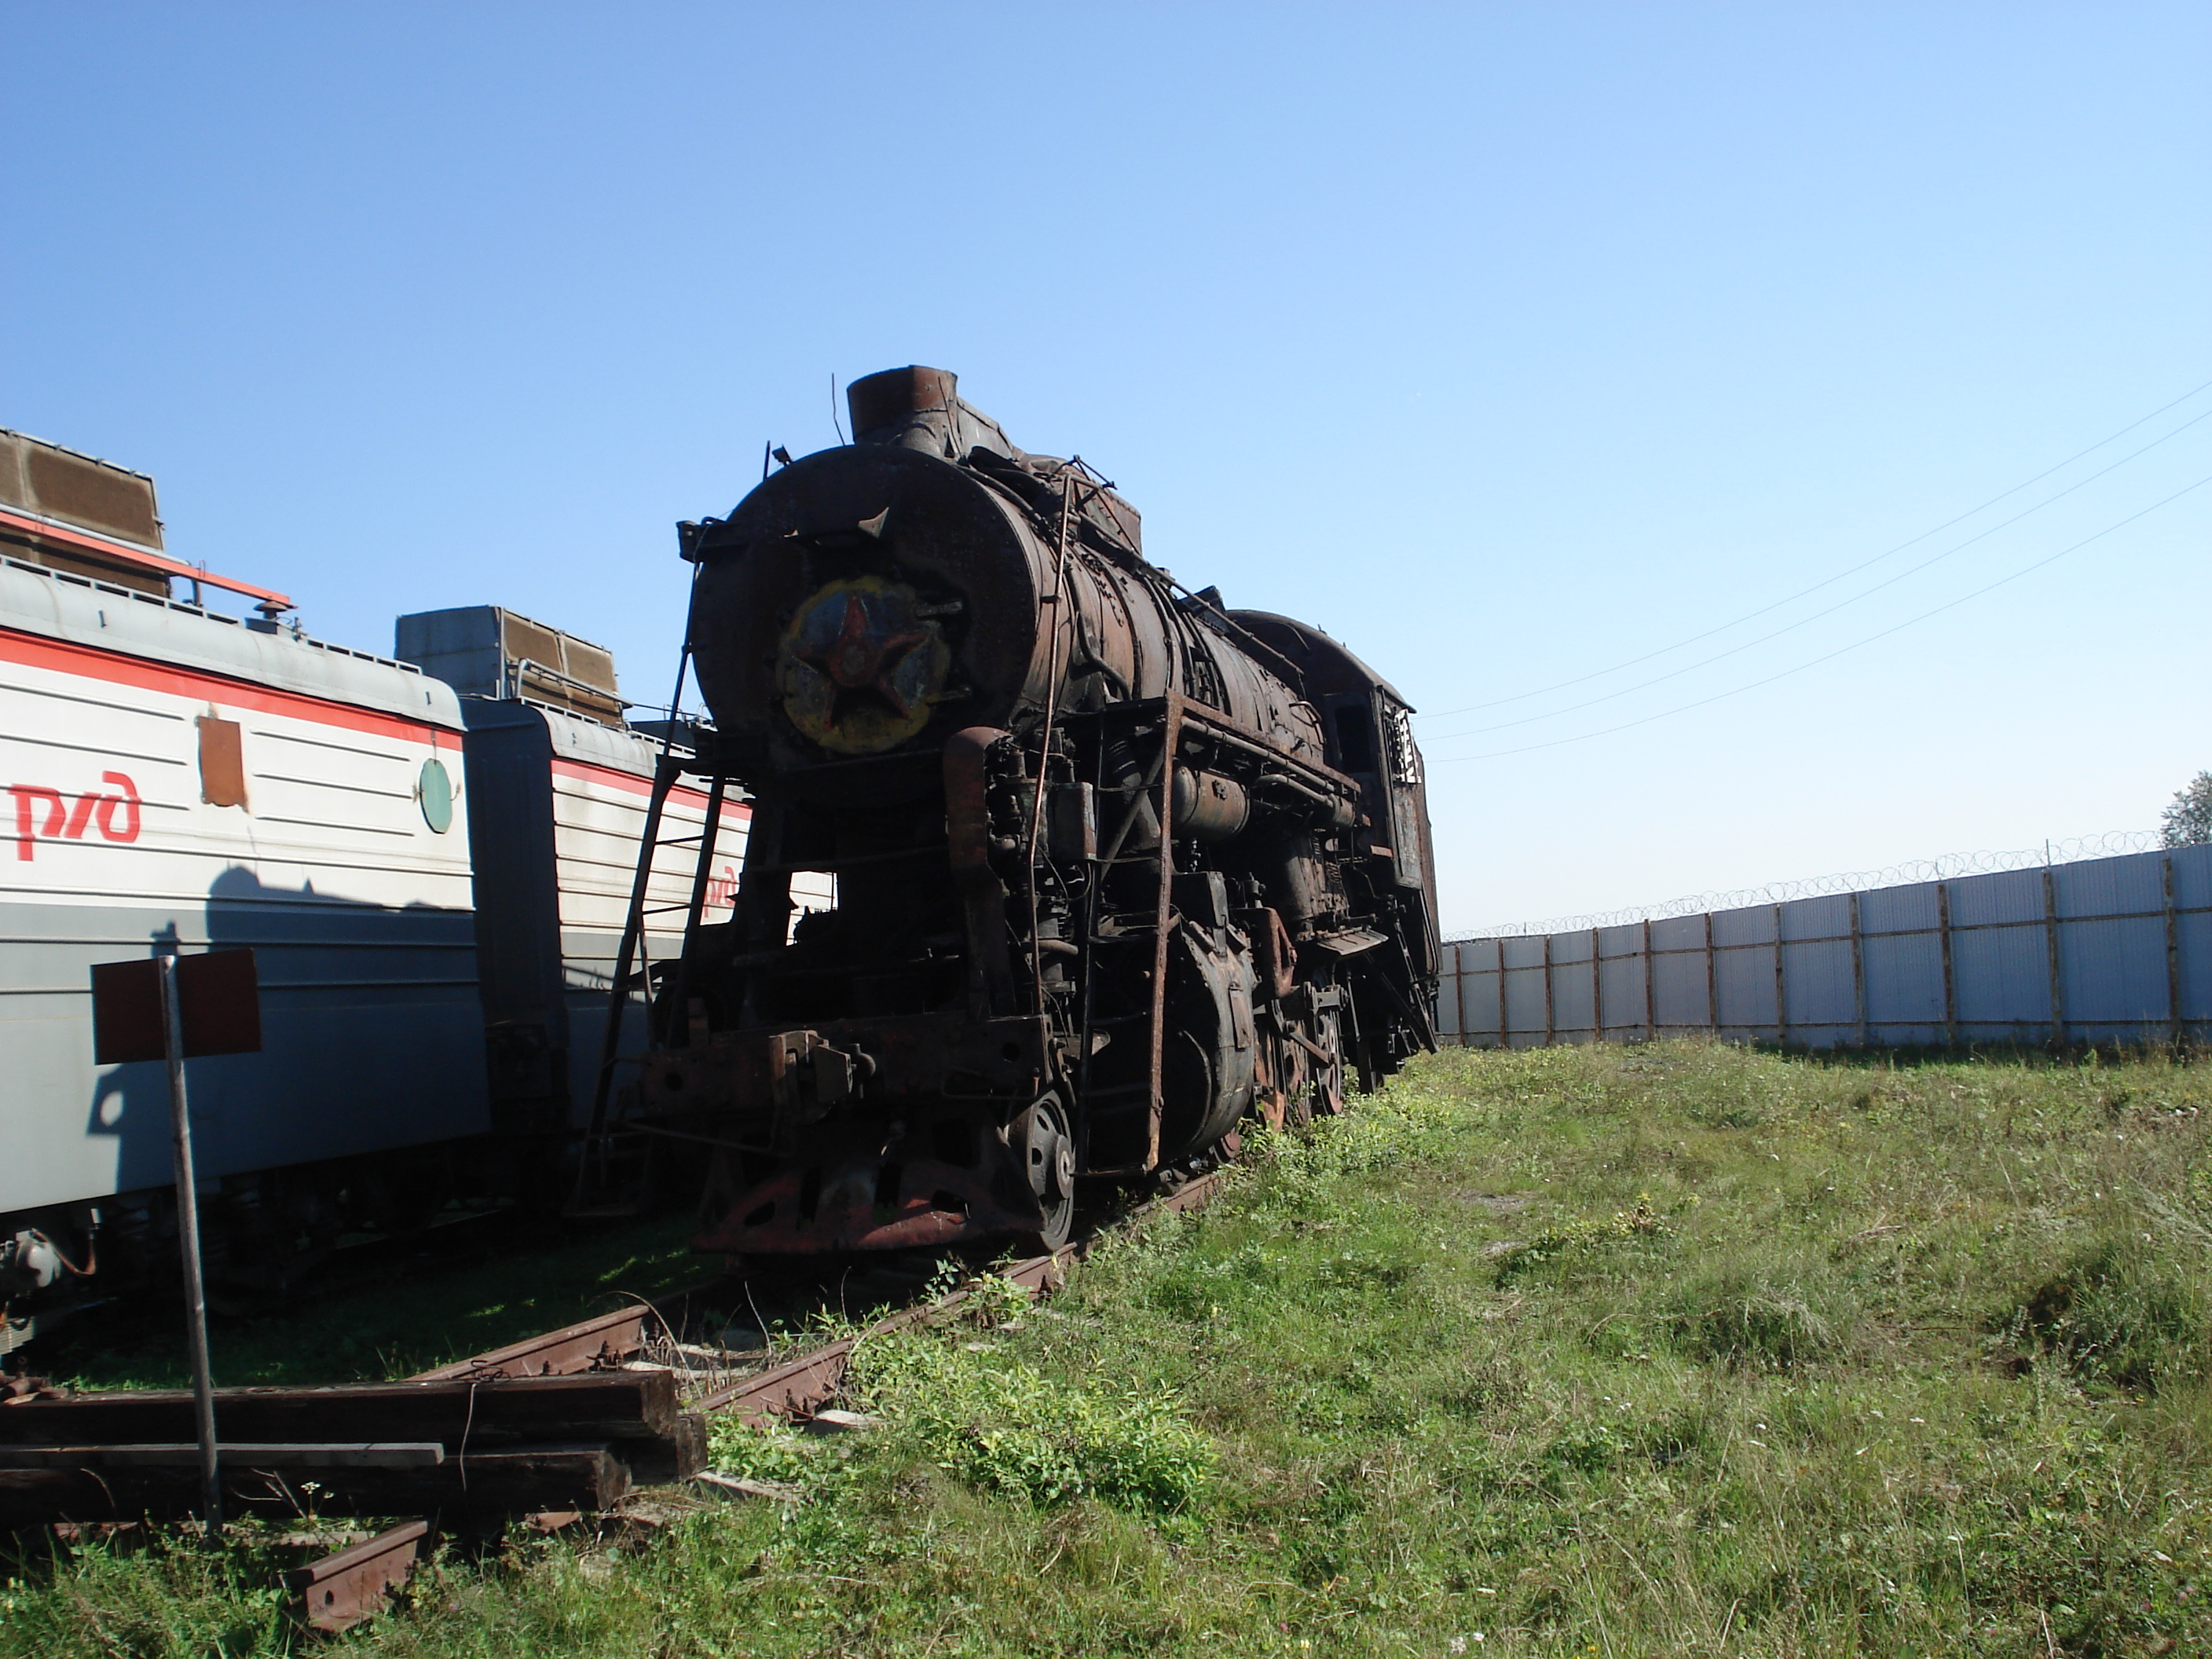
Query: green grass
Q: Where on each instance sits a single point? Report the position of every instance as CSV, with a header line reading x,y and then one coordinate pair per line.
x,y
1674,1350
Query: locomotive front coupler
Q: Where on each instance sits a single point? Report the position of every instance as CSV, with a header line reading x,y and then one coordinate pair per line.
x,y
940,1173
882,1133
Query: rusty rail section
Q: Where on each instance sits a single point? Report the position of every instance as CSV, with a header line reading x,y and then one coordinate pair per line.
x,y
600,1344
460,1445
347,1586
562,1422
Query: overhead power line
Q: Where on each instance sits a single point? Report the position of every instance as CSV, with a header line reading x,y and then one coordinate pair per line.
x,y
1827,581
1684,708
1788,627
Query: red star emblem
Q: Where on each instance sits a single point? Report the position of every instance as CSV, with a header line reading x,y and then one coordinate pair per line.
x,y
857,661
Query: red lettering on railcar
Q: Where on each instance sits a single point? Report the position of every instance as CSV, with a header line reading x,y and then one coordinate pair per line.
x,y
68,822
722,889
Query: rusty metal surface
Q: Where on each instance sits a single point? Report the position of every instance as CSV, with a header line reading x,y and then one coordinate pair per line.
x,y
616,1405
1193,1195
342,1589
983,894
764,1068
976,528
792,1388
590,1344
938,1204
1170,744
253,1453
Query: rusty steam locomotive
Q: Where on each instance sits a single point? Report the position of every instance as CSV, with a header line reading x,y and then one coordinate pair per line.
x,y
1115,867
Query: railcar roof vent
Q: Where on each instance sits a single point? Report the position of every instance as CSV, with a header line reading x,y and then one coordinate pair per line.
x,y
483,650
53,491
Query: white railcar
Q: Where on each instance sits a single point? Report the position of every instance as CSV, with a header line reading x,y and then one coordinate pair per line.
x,y
178,779
562,785
431,856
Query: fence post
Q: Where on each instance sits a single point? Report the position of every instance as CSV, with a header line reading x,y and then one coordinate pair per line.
x,y
1650,1022
1459,992
1950,980
1713,980
1858,971
1597,990
1504,1032
1781,990
1549,1035
2050,944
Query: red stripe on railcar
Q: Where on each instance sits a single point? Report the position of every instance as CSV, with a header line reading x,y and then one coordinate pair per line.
x,y
592,772
115,668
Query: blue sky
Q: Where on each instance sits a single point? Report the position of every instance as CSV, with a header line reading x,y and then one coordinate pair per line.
x,y
1510,343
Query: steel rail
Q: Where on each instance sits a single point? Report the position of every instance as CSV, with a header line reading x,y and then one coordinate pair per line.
x,y
349,1585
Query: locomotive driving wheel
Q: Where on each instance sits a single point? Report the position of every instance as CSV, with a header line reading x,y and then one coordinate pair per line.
x,y
1047,1154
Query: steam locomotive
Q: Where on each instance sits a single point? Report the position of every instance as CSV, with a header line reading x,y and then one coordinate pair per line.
x,y
1115,868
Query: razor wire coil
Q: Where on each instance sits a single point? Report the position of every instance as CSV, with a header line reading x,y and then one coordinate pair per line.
x,y
1944,867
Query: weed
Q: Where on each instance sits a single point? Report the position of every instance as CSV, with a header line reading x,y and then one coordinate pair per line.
x,y
1003,1426
1759,1312
1580,1237
2118,1314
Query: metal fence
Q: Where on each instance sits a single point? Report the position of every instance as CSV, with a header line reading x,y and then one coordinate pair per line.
x,y
2105,950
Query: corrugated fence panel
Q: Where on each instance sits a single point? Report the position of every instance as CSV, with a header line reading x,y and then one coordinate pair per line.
x,y
2000,956
2116,949
1527,997
2192,900
1820,998
1903,956
1681,982
1450,990
2134,885
2112,976
1623,1010
2011,897
2002,980
1744,972
1574,996
1482,993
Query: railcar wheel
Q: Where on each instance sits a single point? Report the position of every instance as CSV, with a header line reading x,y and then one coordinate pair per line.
x,y
1048,1159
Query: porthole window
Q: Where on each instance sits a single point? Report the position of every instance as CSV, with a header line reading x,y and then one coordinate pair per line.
x,y
434,791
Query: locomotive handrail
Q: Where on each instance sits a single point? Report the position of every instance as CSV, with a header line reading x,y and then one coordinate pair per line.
x,y
270,601
516,667
667,768
1218,727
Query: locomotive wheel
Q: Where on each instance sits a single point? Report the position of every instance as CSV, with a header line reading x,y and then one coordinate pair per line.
x,y
1048,1159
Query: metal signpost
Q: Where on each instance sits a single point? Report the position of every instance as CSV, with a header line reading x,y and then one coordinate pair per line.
x,y
170,1008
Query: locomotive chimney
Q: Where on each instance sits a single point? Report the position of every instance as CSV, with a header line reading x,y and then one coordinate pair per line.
x,y
913,407
918,408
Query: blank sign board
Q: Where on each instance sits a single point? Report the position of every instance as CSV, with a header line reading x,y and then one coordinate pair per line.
x,y
218,1000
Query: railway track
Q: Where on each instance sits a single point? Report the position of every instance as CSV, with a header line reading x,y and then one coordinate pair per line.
x,y
562,1426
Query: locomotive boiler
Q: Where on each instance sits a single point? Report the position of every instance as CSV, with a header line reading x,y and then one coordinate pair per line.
x,y
1115,867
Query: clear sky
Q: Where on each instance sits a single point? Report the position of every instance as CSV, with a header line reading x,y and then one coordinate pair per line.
x,y
1511,343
